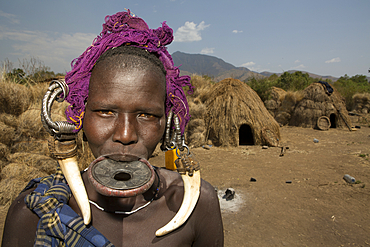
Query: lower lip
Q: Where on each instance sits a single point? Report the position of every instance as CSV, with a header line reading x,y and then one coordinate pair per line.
x,y
114,192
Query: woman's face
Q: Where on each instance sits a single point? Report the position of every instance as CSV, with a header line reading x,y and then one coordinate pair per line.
x,y
125,111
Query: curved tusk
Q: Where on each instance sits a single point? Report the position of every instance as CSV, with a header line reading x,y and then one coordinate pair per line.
x,y
71,172
191,195
63,146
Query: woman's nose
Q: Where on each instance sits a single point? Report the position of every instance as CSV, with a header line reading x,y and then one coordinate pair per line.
x,y
125,130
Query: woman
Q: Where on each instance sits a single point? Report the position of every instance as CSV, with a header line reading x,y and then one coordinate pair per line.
x,y
123,92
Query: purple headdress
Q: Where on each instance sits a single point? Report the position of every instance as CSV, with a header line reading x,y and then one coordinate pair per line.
x,y
119,29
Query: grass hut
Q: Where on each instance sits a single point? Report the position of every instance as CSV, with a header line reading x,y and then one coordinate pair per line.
x,y
237,116
361,102
277,96
318,104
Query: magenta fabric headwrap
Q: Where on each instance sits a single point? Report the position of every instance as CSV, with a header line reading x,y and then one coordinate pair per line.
x,y
118,29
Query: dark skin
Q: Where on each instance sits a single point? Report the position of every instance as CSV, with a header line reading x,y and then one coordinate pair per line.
x,y
125,114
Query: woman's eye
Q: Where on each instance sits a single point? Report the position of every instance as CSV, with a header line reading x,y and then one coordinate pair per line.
x,y
105,112
146,115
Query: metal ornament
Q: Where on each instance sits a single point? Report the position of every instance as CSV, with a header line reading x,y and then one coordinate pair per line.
x,y
63,146
188,167
173,137
60,130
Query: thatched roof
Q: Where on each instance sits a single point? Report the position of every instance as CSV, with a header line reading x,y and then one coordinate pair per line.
x,y
285,106
277,94
361,102
232,104
273,104
316,103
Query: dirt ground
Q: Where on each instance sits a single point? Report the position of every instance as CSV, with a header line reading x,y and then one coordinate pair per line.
x,y
299,199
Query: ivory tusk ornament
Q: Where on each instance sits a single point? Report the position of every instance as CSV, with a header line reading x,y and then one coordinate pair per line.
x,y
72,173
191,195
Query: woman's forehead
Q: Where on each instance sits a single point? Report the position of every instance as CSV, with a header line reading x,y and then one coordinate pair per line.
x,y
130,57
110,82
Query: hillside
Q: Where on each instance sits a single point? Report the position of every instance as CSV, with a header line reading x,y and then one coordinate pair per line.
x,y
219,69
211,66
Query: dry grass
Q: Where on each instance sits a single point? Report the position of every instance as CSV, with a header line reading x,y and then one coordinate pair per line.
x,y
197,124
14,98
9,119
196,139
364,97
9,190
195,131
286,105
24,153
7,134
294,96
197,109
43,163
4,151
38,91
21,171
201,86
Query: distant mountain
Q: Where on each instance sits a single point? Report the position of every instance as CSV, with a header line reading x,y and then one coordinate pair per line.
x,y
266,73
219,69
211,66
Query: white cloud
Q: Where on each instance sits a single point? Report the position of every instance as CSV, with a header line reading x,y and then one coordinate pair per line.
x,y
207,50
190,32
248,64
237,31
12,18
56,50
299,67
334,60
251,66
297,61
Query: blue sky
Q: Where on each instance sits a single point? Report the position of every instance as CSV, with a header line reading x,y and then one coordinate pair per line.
x,y
325,37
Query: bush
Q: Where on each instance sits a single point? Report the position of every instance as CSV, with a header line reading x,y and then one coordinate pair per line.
x,y
294,81
29,72
262,86
349,86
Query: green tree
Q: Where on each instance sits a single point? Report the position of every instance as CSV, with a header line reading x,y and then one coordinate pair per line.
x,y
294,81
262,86
348,86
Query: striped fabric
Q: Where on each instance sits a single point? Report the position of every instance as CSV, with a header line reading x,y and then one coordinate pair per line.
x,y
59,225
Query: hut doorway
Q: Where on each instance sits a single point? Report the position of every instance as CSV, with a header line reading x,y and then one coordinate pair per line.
x,y
333,120
245,135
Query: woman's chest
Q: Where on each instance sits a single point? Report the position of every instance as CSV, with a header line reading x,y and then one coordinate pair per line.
x,y
139,229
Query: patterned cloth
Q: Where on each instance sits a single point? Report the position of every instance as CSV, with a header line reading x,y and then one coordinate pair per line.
x,y
59,225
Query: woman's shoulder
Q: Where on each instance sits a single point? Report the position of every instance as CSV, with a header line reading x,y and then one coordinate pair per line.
x,y
20,224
